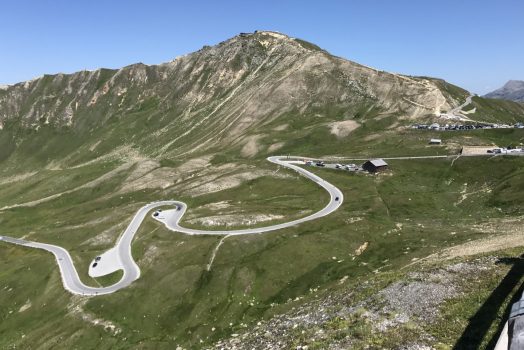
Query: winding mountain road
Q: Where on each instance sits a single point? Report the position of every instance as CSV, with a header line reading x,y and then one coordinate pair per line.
x,y
455,112
119,257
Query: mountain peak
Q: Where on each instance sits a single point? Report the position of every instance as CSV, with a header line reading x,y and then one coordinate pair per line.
x,y
513,90
269,38
511,84
236,86
272,33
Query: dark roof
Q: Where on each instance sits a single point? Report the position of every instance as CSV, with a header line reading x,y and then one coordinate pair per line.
x,y
378,162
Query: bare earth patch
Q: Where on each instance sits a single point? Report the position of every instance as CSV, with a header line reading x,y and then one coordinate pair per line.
x,y
216,205
372,137
149,256
194,164
251,147
281,127
276,146
142,168
226,182
362,248
107,237
476,150
234,219
343,128
76,308
26,306
157,178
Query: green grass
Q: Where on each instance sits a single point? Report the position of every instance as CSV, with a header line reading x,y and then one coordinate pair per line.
x,y
308,45
290,198
46,183
176,300
252,276
493,110
110,279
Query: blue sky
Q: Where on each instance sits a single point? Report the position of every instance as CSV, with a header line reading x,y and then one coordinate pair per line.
x,y
478,45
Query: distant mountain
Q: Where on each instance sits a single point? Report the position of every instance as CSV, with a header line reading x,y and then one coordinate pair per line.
x,y
513,91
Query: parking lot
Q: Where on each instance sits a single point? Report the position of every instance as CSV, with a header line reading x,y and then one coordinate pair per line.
x,y
337,166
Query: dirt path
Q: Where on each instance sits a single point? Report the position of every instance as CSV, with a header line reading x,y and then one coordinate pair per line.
x,y
215,251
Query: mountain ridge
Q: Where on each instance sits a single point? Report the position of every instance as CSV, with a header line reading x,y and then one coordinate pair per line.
x,y
138,70
513,90
224,97
218,95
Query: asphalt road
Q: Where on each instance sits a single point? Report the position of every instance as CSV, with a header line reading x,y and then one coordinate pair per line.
x,y
456,110
72,281
172,218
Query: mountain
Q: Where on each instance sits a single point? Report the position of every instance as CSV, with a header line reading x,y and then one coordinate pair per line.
x,y
215,97
81,153
223,97
513,90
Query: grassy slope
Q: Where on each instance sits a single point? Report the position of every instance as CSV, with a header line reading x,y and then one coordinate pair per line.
x,y
361,300
177,301
493,110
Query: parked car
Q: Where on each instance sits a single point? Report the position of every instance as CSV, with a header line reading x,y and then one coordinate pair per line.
x,y
320,163
338,166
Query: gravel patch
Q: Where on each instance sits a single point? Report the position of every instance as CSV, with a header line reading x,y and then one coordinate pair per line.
x,y
415,299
